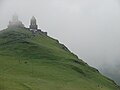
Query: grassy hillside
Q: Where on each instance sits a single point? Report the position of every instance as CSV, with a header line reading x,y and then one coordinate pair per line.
x,y
39,62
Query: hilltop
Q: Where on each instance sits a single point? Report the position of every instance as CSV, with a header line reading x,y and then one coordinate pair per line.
x,y
38,62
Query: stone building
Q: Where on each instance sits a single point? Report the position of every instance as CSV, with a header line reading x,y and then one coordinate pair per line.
x,y
16,23
33,24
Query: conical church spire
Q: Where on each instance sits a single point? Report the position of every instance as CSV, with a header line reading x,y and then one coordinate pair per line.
x,y
33,24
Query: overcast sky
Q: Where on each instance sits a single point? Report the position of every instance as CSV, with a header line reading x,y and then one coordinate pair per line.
x,y
89,28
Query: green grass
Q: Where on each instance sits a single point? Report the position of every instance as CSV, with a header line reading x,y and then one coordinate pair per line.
x,y
39,62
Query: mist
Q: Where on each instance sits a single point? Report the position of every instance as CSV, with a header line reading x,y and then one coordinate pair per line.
x,y
89,28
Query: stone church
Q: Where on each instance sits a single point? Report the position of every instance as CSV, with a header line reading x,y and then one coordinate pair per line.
x,y
33,24
16,23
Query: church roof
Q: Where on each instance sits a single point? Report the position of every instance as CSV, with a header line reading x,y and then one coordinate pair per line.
x,y
33,18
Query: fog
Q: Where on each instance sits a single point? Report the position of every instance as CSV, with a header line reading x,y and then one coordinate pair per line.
x,y
89,28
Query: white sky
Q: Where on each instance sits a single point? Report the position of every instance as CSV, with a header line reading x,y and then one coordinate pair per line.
x,y
90,28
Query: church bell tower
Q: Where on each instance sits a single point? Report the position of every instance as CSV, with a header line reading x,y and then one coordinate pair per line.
x,y
33,24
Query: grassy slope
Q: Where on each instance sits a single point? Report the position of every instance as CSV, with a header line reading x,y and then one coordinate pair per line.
x,y
29,62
